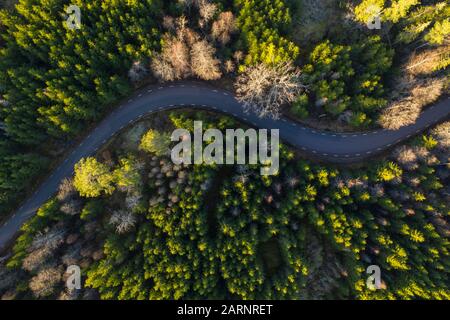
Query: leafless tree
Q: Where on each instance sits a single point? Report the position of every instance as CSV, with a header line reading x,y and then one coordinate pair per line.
x,y
66,190
406,110
72,207
123,221
238,56
406,157
357,183
43,247
400,114
36,259
442,134
45,282
51,239
169,23
191,37
132,200
173,61
422,153
207,10
229,66
427,61
71,254
177,53
203,61
263,89
377,190
185,53
223,27
163,69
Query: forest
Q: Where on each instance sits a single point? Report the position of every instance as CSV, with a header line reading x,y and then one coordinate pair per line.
x,y
141,227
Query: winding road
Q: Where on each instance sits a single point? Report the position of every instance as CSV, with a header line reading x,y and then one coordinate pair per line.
x,y
332,147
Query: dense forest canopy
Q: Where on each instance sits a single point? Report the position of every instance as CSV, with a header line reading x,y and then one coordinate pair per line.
x,y
172,232
149,229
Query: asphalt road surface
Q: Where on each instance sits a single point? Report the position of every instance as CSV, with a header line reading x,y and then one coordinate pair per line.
x,y
328,146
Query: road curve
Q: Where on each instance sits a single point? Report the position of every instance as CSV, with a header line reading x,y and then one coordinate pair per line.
x,y
332,147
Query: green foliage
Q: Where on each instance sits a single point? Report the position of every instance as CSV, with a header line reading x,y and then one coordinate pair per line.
x,y
262,24
17,169
425,22
397,9
329,67
155,142
223,232
300,107
349,78
56,79
365,11
127,174
428,23
389,171
92,178
429,142
236,234
92,209
439,32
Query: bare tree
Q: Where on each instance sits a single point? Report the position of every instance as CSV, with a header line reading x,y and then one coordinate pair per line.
x,y
66,190
184,53
123,221
181,27
207,11
191,37
238,56
406,157
203,62
292,181
263,89
163,69
377,190
442,135
36,259
69,294
223,27
177,53
173,61
72,207
399,114
169,23
428,61
43,247
417,94
51,239
229,66
132,200
45,282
